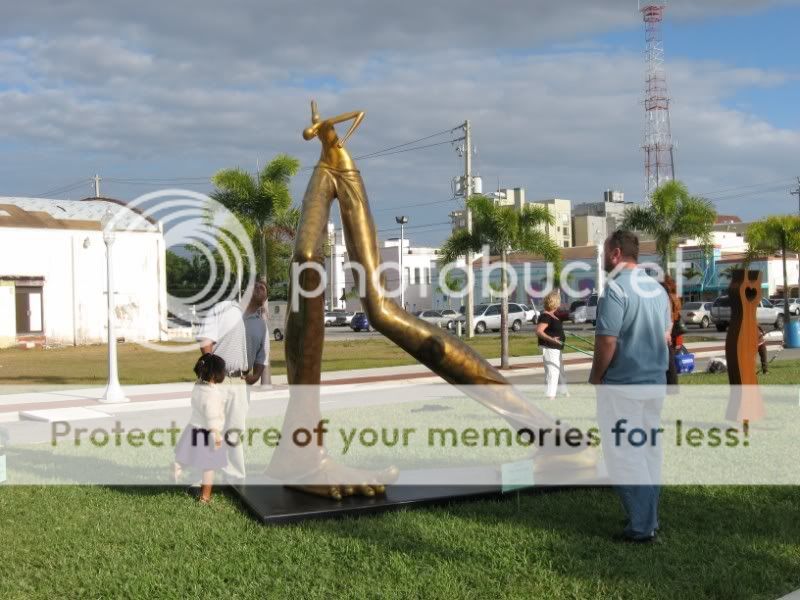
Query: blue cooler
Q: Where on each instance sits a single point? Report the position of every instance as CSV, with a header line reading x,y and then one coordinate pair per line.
x,y
684,363
791,334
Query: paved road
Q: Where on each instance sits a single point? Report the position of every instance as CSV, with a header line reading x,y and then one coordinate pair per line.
x,y
346,334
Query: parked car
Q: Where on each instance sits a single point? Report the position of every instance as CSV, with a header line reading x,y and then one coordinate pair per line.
x,y
794,305
449,316
562,312
434,317
591,309
359,322
697,313
577,311
531,313
339,318
487,316
766,313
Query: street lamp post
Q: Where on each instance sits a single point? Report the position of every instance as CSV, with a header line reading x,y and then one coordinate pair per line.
x,y
113,393
402,220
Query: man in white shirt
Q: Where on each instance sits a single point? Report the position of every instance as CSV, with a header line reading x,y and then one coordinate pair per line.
x,y
239,336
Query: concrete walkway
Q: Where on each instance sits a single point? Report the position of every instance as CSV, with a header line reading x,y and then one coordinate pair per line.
x,y
169,395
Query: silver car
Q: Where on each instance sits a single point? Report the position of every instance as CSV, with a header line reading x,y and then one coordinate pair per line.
x,y
434,317
697,313
487,316
794,305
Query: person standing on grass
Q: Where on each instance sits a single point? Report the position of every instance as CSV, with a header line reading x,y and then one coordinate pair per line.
x,y
550,332
629,369
200,444
237,334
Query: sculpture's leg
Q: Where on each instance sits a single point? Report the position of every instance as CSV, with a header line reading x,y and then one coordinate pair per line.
x,y
305,334
440,351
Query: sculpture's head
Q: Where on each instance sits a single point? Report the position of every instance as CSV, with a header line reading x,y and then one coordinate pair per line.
x,y
311,132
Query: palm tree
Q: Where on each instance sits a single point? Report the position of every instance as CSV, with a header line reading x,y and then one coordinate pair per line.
x,y
671,214
504,230
262,202
771,235
727,272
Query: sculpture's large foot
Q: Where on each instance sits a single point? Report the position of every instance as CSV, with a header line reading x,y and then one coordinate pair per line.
x,y
335,481
565,459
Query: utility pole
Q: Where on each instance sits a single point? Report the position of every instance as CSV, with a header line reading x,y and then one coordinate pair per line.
x,y
402,220
96,186
796,192
470,321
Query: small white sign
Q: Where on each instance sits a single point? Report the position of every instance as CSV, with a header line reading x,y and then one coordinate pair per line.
x,y
2,468
516,475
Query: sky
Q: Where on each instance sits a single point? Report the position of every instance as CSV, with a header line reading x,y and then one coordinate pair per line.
x,y
163,94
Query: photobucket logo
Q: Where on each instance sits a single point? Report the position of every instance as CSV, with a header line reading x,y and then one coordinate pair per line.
x,y
195,225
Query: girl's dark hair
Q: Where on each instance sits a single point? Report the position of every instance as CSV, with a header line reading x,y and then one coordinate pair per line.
x,y
211,368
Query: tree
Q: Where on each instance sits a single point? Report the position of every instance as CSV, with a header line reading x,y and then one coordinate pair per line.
x,y
671,214
504,230
771,235
262,202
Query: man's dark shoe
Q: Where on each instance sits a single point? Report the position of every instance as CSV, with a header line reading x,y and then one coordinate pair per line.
x,y
626,539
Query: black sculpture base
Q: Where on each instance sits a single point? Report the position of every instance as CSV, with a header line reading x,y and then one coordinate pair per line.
x,y
274,504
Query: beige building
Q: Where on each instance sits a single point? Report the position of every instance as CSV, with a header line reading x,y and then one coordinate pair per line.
x,y
560,231
592,222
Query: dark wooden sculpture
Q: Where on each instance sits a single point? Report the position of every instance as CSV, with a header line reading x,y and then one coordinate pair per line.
x,y
741,346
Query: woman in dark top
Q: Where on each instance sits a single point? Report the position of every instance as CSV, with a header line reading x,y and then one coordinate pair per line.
x,y
550,332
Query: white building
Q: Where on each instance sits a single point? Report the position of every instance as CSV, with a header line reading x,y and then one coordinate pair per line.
x,y
53,273
334,268
421,276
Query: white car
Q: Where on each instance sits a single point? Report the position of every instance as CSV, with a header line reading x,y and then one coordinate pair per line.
x,y
449,317
487,316
434,317
531,314
794,305
697,313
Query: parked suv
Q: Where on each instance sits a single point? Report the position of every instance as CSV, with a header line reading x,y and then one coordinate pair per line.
x,y
766,313
487,316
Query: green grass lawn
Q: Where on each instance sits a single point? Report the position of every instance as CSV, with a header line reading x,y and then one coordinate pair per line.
x,y
723,542
84,541
138,365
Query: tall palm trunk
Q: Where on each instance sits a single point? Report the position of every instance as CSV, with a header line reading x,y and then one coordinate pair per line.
x,y
503,313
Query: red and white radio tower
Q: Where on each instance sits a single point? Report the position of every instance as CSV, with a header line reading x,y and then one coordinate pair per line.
x,y
658,149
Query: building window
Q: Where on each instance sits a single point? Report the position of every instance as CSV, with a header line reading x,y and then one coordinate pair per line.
x,y
417,276
407,275
566,244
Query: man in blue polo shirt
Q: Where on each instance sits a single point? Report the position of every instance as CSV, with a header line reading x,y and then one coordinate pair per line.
x,y
633,325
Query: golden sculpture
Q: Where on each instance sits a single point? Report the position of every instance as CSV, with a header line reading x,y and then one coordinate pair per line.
x,y
335,176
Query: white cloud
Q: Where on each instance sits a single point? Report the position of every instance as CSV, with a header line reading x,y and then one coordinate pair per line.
x,y
191,88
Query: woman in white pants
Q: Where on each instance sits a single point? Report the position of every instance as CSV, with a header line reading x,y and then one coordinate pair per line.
x,y
550,332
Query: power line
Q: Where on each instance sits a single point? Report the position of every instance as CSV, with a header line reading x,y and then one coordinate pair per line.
x,y
402,206
422,139
63,189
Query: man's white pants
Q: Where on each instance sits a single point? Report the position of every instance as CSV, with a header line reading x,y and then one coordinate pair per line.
x,y
554,377
237,403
